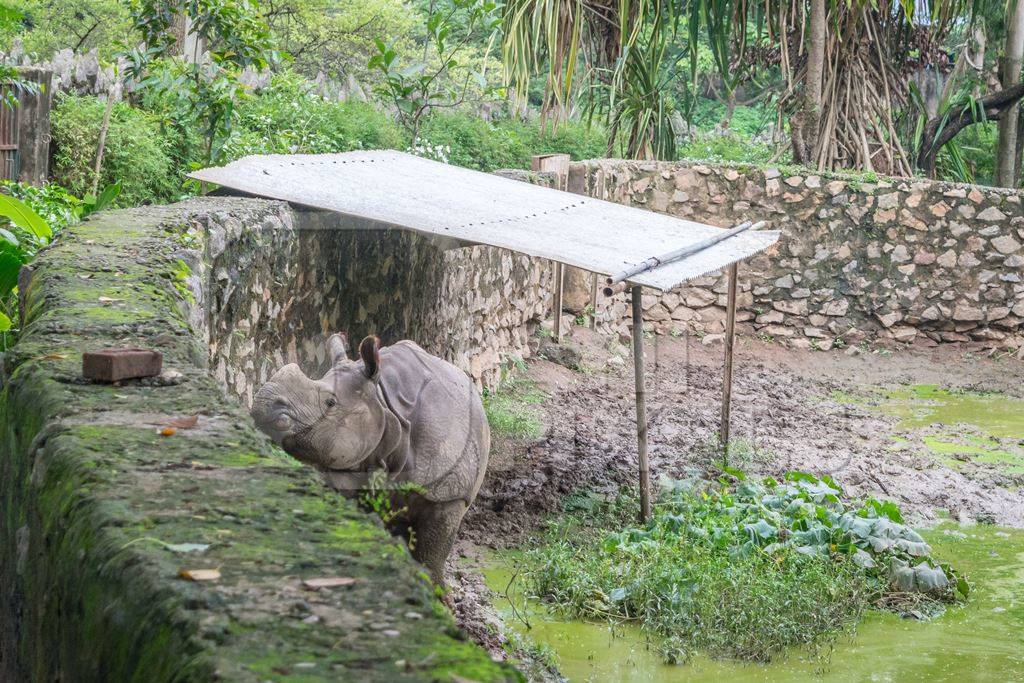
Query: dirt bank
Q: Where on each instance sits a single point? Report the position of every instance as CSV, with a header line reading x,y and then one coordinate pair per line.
x,y
801,410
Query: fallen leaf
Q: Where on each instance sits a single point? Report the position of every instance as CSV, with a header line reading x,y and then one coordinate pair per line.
x,y
200,574
53,356
108,300
184,422
329,582
167,431
187,547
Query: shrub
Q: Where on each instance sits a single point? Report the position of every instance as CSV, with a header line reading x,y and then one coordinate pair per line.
x,y
743,569
288,118
476,143
725,147
746,121
137,153
54,204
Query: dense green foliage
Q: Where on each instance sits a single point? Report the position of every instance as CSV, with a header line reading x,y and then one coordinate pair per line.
x,y
741,568
486,146
46,26
54,204
289,118
726,147
150,149
137,154
204,91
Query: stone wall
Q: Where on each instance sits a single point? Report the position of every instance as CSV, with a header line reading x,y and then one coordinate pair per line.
x,y
897,259
105,501
274,283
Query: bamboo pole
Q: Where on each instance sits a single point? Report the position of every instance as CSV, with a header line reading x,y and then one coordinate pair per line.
x,y
593,301
730,337
676,255
641,402
559,282
112,94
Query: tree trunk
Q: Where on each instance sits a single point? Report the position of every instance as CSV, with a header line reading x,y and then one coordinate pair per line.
x,y
941,129
807,127
1020,145
188,44
1007,156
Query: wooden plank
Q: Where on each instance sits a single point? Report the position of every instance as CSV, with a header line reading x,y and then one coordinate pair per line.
x,y
730,342
593,301
641,402
559,290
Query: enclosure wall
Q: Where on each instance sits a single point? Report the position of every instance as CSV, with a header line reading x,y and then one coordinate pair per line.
x,y
861,257
110,492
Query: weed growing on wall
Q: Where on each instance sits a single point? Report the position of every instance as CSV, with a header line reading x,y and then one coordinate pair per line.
x,y
739,568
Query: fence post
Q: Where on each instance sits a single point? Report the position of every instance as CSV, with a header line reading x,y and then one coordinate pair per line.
x,y
34,127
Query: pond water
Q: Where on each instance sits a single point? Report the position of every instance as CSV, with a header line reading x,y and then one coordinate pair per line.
x,y
980,641
958,426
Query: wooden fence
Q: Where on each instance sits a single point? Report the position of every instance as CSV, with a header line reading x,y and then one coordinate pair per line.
x,y
9,157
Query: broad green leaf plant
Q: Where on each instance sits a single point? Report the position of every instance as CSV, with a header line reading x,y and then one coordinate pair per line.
x,y
25,232
17,246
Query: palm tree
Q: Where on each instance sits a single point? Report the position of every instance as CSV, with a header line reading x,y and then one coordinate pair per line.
x,y
844,63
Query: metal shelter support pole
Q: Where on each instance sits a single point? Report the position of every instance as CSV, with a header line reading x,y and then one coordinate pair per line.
x,y
559,283
730,337
636,292
593,301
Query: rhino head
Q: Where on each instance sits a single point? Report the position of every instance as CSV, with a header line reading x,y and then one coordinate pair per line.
x,y
334,423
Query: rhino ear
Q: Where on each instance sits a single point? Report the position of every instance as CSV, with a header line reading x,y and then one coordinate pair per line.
x,y
369,351
337,346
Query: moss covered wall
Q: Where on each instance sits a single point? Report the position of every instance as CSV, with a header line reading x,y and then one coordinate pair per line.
x,y
96,504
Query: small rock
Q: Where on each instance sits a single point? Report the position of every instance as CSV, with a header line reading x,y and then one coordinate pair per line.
x,y
992,214
565,354
710,339
1005,244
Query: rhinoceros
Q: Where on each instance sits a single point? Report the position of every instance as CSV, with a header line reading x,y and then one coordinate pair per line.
x,y
399,410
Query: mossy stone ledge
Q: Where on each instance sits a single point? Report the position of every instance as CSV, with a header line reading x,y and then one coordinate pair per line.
x,y
98,506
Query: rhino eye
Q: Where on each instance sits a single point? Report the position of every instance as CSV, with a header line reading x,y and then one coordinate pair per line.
x,y
331,402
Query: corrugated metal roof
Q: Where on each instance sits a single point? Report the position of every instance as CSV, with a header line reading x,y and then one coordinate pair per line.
x,y
393,189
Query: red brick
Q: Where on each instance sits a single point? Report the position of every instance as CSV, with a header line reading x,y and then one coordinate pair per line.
x,y
114,365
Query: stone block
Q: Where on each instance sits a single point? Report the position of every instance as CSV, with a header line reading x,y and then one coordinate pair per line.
x,y
114,365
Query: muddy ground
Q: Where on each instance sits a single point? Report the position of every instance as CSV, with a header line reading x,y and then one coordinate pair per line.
x,y
790,411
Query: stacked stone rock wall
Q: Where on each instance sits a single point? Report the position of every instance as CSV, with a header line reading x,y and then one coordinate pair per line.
x,y
900,259
273,283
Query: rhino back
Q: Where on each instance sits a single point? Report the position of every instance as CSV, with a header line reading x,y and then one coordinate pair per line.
x,y
449,438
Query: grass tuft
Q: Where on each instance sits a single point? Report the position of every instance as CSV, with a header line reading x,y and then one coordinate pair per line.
x,y
513,412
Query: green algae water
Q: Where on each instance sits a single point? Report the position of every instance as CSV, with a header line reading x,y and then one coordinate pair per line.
x,y
980,641
958,426
922,405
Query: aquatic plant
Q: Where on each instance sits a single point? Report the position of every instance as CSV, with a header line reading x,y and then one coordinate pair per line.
x,y
741,568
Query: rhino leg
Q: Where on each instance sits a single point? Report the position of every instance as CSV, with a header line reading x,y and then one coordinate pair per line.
x,y
436,527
